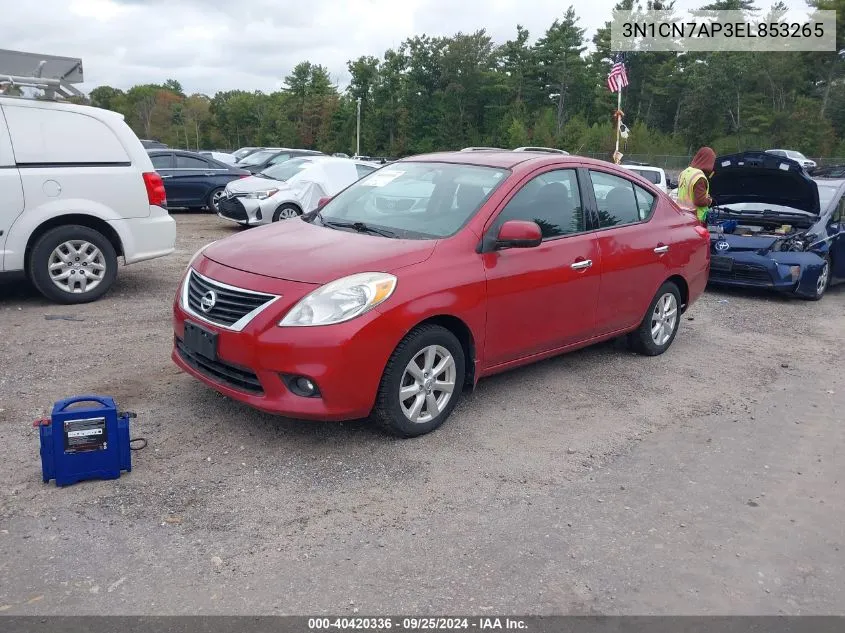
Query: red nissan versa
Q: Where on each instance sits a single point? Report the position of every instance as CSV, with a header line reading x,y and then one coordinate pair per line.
x,y
430,273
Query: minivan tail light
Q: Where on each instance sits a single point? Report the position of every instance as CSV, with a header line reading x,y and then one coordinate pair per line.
x,y
155,189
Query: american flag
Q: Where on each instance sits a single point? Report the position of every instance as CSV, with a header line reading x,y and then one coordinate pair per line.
x,y
618,78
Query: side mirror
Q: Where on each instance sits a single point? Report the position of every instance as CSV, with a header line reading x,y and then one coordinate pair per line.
x,y
519,234
323,201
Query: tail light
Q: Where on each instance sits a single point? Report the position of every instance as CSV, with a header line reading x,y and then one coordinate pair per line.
x,y
155,189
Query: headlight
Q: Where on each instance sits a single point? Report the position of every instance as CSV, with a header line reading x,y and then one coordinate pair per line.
x,y
341,300
261,195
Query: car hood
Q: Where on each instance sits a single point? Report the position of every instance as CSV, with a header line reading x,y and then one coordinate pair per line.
x,y
763,178
254,183
296,250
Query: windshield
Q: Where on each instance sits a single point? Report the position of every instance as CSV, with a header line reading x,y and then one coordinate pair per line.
x,y
797,155
826,193
258,157
648,174
416,200
241,153
285,170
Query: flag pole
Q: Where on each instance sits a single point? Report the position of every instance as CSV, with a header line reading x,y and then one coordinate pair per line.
x,y
618,120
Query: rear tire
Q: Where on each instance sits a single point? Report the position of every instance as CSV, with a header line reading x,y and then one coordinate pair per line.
x,y
422,382
286,212
72,264
213,198
660,324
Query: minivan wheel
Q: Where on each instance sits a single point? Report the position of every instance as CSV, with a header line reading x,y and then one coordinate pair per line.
x,y
422,382
660,324
286,212
214,199
73,264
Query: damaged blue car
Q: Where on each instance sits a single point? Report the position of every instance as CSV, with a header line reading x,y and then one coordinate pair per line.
x,y
773,226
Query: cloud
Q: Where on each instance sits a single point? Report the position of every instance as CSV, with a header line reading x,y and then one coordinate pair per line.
x,y
211,45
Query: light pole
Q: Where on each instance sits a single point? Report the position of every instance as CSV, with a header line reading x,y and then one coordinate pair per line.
x,y
358,135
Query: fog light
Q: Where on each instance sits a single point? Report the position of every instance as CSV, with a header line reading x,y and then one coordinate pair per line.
x,y
258,214
302,386
795,272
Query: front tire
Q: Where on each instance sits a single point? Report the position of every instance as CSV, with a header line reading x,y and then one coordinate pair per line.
x,y
422,382
660,324
73,264
286,212
823,282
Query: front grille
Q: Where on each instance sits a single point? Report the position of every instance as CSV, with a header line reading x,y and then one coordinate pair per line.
x,y
229,375
743,272
232,208
230,304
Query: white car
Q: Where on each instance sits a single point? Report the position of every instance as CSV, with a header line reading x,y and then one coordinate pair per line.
x,y
289,189
223,157
655,175
798,157
77,191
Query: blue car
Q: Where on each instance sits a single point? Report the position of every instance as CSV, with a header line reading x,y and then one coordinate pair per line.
x,y
772,226
192,180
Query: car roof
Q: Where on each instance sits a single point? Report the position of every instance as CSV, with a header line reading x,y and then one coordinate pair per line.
x,y
505,159
643,167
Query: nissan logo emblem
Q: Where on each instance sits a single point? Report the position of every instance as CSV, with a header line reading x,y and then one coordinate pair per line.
x,y
208,301
722,245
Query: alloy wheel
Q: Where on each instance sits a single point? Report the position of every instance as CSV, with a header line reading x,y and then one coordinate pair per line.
x,y
427,384
664,318
288,213
76,266
821,283
216,197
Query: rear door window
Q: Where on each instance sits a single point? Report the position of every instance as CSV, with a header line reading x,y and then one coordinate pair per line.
x,y
190,162
61,137
616,200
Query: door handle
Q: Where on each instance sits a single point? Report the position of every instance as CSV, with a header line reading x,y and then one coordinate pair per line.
x,y
582,265
163,177
208,173
661,249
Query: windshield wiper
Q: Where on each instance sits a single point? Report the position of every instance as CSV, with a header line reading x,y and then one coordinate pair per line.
x,y
361,227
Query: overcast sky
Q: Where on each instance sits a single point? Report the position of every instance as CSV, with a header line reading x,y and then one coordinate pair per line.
x,y
212,45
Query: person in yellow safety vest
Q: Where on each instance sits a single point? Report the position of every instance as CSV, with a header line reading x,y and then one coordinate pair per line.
x,y
694,183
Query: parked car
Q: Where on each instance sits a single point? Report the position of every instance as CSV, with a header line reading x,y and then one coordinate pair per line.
x,y
222,157
149,144
775,228
77,191
798,157
345,313
243,152
483,149
289,189
192,180
262,159
655,175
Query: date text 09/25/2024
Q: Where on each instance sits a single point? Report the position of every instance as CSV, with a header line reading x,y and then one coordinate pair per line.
x,y
376,624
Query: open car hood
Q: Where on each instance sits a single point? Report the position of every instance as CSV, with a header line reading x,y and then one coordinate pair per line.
x,y
763,178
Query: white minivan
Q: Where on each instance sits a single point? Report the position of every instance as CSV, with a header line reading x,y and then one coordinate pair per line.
x,y
77,191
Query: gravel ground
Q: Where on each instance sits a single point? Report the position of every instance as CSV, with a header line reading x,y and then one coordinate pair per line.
x,y
702,481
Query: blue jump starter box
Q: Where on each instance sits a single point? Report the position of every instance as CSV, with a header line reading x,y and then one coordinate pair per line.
x,y
86,437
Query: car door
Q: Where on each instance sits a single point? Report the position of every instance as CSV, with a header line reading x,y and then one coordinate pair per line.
x,y
633,250
188,181
11,190
543,298
836,232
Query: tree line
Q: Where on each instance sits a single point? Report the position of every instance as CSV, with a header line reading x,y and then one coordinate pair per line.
x,y
440,93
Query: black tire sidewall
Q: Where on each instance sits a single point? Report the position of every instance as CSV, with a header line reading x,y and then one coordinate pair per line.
x,y
47,243
642,337
388,411
281,208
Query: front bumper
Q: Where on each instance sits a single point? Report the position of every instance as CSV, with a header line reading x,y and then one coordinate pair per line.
x,y
346,361
246,211
789,272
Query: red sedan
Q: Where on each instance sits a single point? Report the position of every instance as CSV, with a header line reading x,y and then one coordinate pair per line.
x,y
402,291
